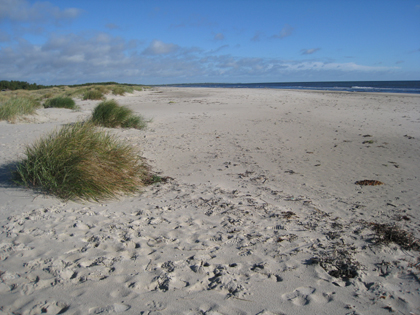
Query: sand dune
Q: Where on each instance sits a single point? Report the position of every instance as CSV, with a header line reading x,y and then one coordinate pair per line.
x,y
261,214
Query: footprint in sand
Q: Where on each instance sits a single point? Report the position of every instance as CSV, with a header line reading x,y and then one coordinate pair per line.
x,y
115,308
49,308
301,296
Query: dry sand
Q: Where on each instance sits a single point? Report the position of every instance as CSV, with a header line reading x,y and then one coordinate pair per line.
x,y
261,215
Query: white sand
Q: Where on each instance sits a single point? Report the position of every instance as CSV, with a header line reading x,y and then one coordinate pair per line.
x,y
263,188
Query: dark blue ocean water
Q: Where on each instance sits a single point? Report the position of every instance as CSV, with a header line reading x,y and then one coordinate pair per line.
x,y
349,86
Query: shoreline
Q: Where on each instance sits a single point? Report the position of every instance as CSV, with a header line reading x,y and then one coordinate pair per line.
x,y
262,216
405,87
297,90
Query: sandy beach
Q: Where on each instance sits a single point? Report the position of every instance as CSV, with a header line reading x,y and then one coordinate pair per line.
x,y
259,213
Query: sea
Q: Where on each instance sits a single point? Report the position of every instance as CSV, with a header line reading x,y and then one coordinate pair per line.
x,y
412,87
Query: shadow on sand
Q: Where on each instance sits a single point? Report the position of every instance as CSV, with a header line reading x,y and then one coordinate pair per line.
x,y
6,175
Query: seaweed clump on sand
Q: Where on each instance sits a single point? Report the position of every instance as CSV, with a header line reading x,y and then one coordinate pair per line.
x,y
368,182
391,233
338,264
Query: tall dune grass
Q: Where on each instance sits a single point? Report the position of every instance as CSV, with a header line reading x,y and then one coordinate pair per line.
x,y
104,89
118,90
122,89
93,95
110,114
82,162
60,102
17,106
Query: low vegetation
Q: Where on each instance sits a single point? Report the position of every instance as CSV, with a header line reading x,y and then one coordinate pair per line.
x,y
118,90
82,162
14,107
22,85
60,102
19,85
93,95
12,89
110,114
122,89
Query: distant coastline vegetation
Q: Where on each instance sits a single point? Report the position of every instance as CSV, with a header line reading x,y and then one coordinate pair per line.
x,y
22,85
18,98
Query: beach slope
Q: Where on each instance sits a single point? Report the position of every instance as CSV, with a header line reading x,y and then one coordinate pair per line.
x,y
258,211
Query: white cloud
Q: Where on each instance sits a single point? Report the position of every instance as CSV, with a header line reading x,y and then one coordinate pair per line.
x,y
23,11
309,51
158,47
112,26
219,36
194,20
287,30
323,66
4,37
213,51
72,59
257,36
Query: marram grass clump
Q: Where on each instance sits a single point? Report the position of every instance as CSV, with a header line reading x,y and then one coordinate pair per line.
x,y
60,102
17,106
122,89
93,95
81,162
110,114
118,90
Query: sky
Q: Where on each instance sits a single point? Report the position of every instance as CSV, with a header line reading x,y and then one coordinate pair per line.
x,y
200,41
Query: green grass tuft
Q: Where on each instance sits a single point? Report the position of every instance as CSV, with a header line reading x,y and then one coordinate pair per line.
x,y
118,90
110,114
104,89
122,89
17,106
82,162
93,95
129,88
60,102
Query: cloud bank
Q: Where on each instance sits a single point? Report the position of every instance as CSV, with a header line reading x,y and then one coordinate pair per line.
x,y
75,59
158,47
23,11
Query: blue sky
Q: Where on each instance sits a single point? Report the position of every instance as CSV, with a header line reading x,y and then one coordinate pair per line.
x,y
177,41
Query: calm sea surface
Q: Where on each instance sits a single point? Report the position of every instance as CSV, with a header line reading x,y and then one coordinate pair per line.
x,y
350,86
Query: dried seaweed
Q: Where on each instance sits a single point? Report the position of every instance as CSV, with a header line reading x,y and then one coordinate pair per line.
x,y
391,233
368,182
338,264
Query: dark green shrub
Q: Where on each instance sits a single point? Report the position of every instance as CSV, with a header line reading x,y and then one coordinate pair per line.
x,y
110,114
93,95
60,102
